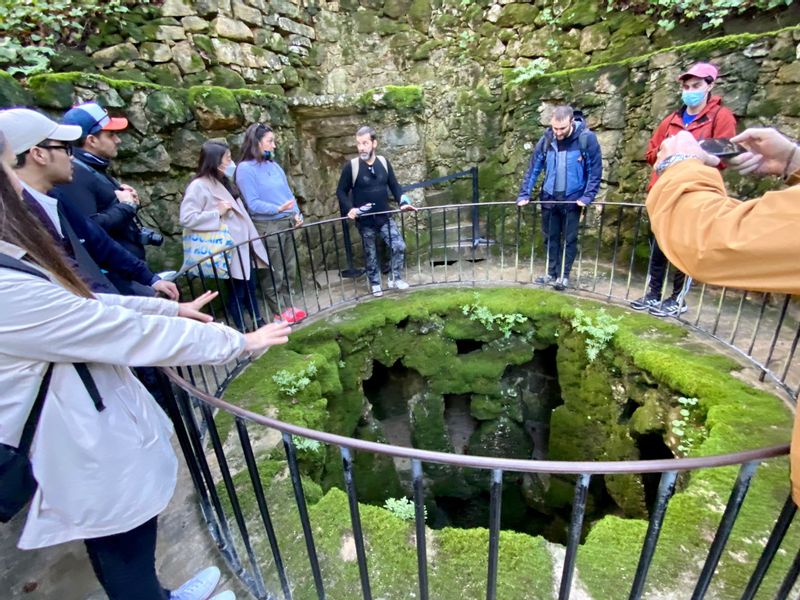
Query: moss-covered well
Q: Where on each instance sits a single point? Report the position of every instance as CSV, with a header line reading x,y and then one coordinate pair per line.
x,y
504,372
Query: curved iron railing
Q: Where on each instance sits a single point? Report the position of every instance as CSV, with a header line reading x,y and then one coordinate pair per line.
x,y
468,245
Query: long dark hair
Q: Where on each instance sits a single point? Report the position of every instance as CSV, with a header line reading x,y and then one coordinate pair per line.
x,y
18,226
252,139
211,155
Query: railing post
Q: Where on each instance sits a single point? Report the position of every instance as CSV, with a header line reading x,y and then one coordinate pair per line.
x,y
350,271
575,527
475,200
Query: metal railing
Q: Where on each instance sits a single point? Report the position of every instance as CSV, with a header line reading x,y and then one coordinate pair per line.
x,y
611,265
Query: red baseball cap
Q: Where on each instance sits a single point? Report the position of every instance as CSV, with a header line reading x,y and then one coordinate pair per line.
x,y
701,70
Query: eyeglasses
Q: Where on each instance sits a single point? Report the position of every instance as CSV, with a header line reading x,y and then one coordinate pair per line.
x,y
65,147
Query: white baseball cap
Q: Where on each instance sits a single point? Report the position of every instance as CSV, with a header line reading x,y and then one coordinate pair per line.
x,y
25,128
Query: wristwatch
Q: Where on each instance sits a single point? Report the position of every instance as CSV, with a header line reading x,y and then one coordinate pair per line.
x,y
671,160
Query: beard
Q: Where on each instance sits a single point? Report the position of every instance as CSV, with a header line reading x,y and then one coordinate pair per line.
x,y
366,155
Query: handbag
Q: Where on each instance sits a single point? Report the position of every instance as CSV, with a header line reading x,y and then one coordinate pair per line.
x,y
198,246
17,483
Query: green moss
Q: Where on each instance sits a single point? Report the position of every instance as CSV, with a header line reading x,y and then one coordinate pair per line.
x,y
406,99
215,107
11,92
53,91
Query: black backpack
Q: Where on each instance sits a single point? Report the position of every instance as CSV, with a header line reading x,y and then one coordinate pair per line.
x,y
17,484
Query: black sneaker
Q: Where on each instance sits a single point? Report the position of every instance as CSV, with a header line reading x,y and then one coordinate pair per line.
x,y
544,280
669,308
561,284
645,303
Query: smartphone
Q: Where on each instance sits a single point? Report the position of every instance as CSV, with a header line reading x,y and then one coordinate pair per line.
x,y
722,147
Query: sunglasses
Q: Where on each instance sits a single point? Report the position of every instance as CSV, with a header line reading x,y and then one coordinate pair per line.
x,y
65,147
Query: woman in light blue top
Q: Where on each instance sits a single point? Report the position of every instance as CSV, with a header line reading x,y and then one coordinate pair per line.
x,y
273,207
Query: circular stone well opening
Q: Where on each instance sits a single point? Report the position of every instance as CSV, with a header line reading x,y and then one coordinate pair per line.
x,y
512,373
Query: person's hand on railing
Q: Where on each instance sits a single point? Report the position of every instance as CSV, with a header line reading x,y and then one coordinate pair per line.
x,y
769,152
522,201
263,338
169,289
193,309
298,220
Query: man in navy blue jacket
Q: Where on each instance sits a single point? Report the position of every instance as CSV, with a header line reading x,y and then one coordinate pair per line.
x,y
43,153
569,155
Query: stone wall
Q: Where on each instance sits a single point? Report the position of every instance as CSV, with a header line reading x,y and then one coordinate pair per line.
x,y
309,68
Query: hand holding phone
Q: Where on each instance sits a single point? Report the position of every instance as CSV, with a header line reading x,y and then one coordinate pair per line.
x,y
722,147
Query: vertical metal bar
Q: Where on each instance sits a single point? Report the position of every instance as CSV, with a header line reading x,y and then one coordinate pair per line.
x,y
666,488
789,580
633,251
495,500
236,508
614,254
419,250
597,250
758,324
516,243
771,548
719,310
738,317
300,501
475,200
307,237
339,258
533,243
444,240
575,527
325,263
703,289
355,520
790,355
430,246
263,509
776,335
419,522
502,240
724,530
459,243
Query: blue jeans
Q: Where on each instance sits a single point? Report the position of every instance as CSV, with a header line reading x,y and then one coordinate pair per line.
x,y
560,228
394,242
243,297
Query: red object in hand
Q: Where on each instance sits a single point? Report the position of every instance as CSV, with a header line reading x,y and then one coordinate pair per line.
x,y
292,315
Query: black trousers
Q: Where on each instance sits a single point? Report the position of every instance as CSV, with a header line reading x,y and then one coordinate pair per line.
x,y
125,563
560,227
658,268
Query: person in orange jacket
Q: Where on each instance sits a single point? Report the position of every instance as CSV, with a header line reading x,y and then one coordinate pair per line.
x,y
704,116
719,240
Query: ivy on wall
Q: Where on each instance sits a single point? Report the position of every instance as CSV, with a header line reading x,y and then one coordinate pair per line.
x,y
710,13
31,30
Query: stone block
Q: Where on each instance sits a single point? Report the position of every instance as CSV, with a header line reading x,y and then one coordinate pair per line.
x,y
248,14
396,8
226,52
148,159
115,54
166,109
419,14
290,9
170,33
274,41
155,53
258,58
512,15
187,59
184,147
789,73
194,24
12,93
231,29
215,108
177,8
165,74
294,27
595,37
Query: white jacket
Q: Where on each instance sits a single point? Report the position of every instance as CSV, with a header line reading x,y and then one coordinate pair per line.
x,y
99,473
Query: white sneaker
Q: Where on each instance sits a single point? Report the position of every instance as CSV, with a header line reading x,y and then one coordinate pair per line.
x,y
225,596
199,587
398,283
377,291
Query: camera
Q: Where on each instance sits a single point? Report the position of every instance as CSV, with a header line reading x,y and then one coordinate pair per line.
x,y
150,237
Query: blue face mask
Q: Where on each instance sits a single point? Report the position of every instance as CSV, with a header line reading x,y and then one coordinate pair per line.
x,y
267,155
230,169
693,98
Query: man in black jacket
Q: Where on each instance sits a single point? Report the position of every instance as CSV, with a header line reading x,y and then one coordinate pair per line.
x,y
93,191
42,149
363,191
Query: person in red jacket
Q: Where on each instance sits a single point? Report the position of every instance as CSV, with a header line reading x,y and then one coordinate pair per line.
x,y
704,116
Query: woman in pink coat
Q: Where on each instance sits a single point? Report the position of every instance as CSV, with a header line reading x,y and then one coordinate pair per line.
x,y
208,203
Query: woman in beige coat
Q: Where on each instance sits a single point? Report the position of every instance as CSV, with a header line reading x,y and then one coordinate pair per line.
x,y
208,203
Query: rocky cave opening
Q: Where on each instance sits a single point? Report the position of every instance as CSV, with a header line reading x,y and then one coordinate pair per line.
x,y
533,504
